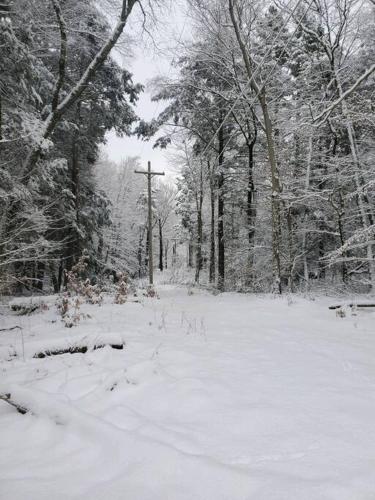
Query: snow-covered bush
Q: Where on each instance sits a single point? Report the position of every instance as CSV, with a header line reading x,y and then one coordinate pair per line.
x,y
82,286
79,290
122,289
151,292
69,309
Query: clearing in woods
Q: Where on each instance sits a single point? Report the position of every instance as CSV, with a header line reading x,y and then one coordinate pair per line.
x,y
228,397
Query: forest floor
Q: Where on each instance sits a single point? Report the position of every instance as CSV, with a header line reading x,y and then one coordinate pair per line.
x,y
213,397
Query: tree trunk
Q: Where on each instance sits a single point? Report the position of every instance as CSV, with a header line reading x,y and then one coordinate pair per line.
x,y
39,275
250,211
161,267
198,263
54,279
174,253
166,248
99,261
212,270
290,249
220,215
60,276
198,257
304,238
190,254
1,119
275,197
74,239
321,223
340,215
199,204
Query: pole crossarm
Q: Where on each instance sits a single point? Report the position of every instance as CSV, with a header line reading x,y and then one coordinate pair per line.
x,y
149,174
145,172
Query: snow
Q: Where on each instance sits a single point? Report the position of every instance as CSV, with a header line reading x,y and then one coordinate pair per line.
x,y
213,397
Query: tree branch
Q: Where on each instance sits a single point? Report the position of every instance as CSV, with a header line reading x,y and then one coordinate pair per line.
x,y
330,108
8,399
97,62
63,53
91,69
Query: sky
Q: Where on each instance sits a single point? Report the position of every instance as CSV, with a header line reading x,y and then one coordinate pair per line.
x,y
152,57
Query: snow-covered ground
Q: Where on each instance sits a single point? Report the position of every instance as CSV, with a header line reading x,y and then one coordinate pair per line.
x,y
213,397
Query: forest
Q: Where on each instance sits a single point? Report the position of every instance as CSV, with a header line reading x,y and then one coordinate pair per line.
x,y
269,116
187,249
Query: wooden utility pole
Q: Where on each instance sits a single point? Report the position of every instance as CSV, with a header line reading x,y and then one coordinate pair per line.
x,y
149,174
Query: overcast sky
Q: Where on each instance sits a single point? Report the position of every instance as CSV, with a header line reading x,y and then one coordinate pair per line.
x,y
151,58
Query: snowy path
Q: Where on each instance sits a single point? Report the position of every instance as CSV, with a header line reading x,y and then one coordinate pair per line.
x,y
228,397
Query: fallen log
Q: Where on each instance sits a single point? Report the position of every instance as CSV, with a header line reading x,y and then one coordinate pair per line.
x,y
10,329
338,306
74,350
8,399
24,309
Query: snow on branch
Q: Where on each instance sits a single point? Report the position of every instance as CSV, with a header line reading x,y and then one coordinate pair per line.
x,y
96,63
63,53
325,114
360,238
